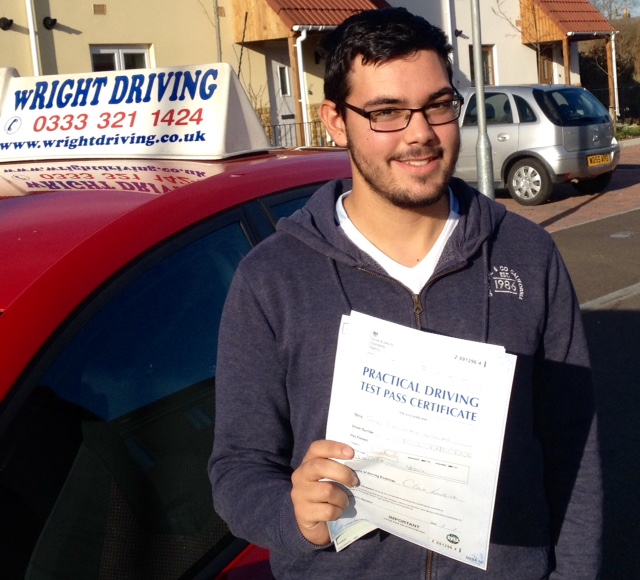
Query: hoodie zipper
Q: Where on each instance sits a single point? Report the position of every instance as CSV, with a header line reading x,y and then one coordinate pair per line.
x,y
429,564
417,303
418,309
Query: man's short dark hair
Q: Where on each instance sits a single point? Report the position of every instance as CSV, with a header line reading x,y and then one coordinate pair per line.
x,y
378,36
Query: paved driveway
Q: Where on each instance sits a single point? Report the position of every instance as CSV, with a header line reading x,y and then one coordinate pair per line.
x,y
599,238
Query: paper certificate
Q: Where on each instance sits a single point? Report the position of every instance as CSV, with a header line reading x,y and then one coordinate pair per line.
x,y
426,415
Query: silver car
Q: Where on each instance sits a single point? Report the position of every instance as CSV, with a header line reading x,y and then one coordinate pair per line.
x,y
540,135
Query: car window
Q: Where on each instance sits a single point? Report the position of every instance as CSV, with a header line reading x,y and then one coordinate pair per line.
x,y
286,202
118,429
525,112
569,106
497,106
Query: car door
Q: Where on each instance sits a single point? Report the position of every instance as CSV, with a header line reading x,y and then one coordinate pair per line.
x,y
104,442
502,130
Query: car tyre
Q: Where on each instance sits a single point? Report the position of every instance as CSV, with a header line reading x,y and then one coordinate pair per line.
x,y
595,185
529,182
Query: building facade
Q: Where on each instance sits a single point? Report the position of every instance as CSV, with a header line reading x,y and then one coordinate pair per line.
x,y
273,44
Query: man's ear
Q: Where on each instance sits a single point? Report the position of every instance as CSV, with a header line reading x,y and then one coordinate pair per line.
x,y
333,122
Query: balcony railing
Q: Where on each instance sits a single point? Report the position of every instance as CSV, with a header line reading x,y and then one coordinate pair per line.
x,y
312,134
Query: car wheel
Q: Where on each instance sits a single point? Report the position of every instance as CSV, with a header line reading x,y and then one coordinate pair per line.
x,y
528,182
595,185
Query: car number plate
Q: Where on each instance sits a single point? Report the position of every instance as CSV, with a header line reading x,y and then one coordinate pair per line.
x,y
595,160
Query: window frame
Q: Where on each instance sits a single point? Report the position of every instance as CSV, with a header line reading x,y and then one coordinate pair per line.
x,y
119,52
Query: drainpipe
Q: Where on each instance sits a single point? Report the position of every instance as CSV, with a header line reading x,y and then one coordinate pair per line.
x,y
303,29
35,54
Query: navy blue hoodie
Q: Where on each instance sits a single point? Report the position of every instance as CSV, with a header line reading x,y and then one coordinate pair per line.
x,y
500,280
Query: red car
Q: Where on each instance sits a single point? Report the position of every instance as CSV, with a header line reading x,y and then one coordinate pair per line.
x,y
113,274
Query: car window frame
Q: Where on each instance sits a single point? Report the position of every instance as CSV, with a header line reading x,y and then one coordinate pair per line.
x,y
472,104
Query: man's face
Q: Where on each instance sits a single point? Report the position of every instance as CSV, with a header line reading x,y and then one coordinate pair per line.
x,y
410,168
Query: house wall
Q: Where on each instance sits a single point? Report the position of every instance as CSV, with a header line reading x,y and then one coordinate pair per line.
x,y
14,43
185,33
314,75
514,63
176,34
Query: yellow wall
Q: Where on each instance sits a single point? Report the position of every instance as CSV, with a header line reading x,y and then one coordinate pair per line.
x,y
14,43
176,33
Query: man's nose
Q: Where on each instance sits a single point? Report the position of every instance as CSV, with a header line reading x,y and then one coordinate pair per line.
x,y
419,130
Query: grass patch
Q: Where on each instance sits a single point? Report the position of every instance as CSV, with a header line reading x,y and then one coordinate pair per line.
x,y
627,131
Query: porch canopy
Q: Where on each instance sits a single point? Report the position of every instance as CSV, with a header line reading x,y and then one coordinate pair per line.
x,y
566,21
291,20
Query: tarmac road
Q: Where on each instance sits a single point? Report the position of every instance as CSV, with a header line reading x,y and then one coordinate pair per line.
x,y
599,239
603,257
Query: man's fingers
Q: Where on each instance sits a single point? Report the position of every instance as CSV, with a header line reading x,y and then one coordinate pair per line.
x,y
328,449
322,492
318,463
319,468
316,500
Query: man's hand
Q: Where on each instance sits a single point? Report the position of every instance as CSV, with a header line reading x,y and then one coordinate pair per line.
x,y
316,502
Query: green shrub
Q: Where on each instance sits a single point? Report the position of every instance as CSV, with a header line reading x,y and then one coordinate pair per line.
x,y
627,131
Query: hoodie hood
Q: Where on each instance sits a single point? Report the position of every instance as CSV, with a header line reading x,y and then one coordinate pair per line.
x,y
316,225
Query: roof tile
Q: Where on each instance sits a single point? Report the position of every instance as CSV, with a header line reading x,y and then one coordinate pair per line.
x,y
321,12
578,16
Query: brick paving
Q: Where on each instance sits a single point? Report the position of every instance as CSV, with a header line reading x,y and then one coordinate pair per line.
x,y
568,208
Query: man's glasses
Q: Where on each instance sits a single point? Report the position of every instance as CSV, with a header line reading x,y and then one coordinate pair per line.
x,y
387,120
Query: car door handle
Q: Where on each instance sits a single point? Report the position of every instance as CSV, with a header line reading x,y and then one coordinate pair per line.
x,y
503,137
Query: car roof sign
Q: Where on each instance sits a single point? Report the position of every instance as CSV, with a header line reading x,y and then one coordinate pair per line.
x,y
190,112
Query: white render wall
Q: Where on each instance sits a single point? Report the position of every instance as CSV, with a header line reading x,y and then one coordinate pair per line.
x,y
514,63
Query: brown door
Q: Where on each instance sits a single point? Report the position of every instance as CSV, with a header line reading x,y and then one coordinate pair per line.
x,y
545,70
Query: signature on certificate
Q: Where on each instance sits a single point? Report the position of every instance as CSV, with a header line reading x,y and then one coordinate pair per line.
x,y
411,484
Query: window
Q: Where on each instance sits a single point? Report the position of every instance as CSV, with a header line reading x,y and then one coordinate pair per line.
x,y
570,106
106,58
283,76
488,76
119,425
524,110
285,203
497,106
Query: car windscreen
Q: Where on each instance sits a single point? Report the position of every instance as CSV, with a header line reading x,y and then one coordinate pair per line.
x,y
568,106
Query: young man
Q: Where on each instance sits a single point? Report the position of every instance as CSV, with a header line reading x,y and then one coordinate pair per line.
x,y
405,242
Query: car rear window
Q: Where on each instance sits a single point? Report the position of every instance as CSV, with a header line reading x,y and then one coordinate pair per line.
x,y
569,106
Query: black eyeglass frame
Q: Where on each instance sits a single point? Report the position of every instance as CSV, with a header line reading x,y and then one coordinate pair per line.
x,y
424,110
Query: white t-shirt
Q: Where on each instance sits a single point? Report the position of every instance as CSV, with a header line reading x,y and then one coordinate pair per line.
x,y
417,276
